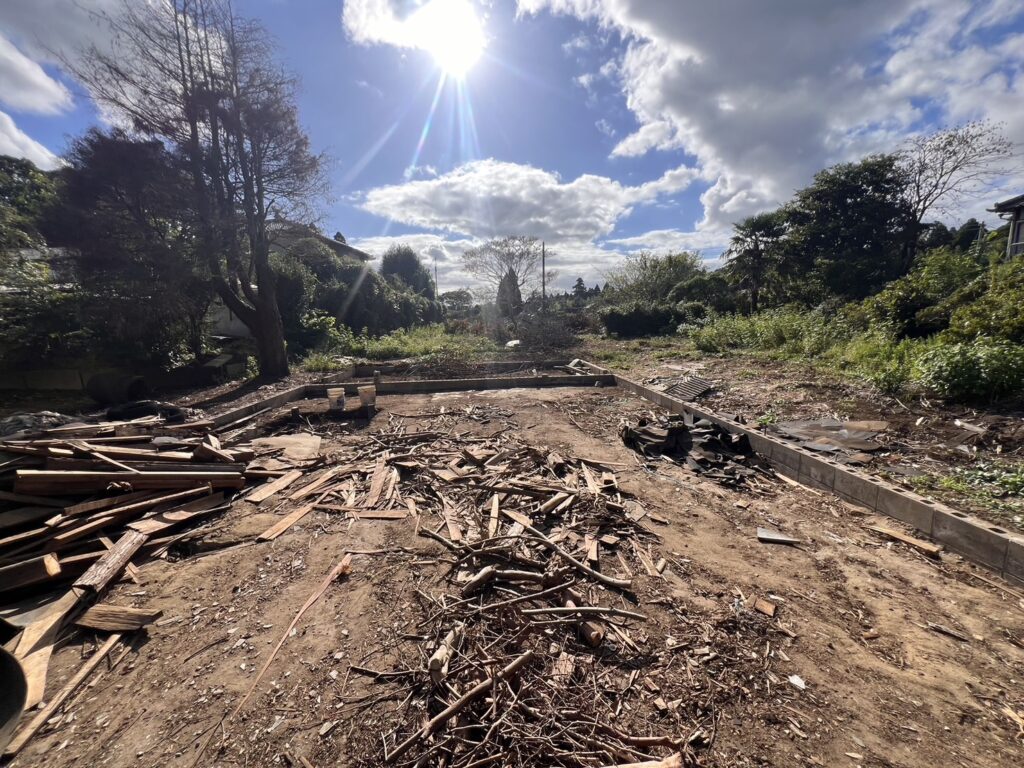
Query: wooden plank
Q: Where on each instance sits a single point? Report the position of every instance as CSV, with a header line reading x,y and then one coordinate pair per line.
x,y
99,504
117,618
377,481
205,452
264,492
36,645
168,519
22,737
448,510
924,547
109,567
492,522
311,488
37,570
79,482
288,521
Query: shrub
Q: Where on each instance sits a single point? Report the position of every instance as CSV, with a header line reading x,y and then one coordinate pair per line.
x,y
638,319
996,314
322,362
691,312
984,369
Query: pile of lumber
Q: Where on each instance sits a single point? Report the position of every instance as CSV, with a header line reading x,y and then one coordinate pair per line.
x,y
67,493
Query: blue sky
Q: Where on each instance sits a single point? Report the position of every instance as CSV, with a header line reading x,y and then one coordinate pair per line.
x,y
602,126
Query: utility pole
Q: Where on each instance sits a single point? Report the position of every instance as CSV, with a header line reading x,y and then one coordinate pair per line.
x,y
543,278
437,288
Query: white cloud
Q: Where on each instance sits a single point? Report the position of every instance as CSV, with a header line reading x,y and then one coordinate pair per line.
x,y
765,94
491,198
605,127
16,143
27,87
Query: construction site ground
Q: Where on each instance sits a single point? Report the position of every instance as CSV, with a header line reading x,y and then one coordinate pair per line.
x,y
850,671
925,449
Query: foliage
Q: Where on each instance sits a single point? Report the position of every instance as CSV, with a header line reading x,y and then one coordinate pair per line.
x,y
710,288
754,254
996,313
322,362
638,318
916,305
648,278
509,299
26,194
493,261
850,229
402,262
983,369
456,304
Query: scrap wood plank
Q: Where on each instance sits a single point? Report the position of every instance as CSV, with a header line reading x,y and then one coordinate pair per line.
x,y
21,516
588,478
288,521
168,519
118,514
130,569
264,492
492,523
109,501
924,547
448,512
117,618
109,567
36,645
36,570
22,737
377,481
79,482
309,488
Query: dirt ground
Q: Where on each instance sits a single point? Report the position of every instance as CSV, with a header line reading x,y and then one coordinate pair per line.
x,y
924,449
881,688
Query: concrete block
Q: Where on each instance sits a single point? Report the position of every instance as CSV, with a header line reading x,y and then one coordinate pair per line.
x,y
813,482
785,455
895,503
819,470
1014,567
970,537
761,445
856,488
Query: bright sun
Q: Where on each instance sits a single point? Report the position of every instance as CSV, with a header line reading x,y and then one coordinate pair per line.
x,y
451,32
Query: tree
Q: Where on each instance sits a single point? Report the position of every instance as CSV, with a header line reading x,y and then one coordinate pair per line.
x,y
754,253
579,289
340,237
25,195
509,300
124,215
195,75
942,168
495,260
647,277
967,234
457,304
402,261
848,231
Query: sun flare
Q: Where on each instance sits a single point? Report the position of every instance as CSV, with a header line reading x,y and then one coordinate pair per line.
x,y
450,31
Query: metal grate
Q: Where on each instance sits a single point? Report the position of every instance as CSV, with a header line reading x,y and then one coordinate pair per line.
x,y
689,389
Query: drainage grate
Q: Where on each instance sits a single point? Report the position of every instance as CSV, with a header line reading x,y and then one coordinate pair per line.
x,y
689,389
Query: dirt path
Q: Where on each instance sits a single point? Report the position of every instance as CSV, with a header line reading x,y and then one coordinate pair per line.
x,y
881,688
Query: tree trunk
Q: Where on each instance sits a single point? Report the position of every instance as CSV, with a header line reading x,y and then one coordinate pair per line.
x,y
269,328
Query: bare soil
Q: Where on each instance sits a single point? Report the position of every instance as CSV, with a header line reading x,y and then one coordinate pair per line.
x,y
881,687
924,447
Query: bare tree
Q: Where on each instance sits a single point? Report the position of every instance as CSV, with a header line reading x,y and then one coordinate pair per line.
x,y
494,260
944,167
199,77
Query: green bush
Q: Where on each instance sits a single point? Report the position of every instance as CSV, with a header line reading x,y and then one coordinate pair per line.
x,y
998,312
322,362
638,319
984,369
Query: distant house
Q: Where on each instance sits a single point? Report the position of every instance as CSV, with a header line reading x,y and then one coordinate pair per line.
x,y
1013,211
284,234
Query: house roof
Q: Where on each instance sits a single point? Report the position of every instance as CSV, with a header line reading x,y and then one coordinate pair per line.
x,y
287,231
1007,206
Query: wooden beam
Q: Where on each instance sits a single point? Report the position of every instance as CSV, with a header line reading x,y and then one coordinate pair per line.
x,y
37,570
86,482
